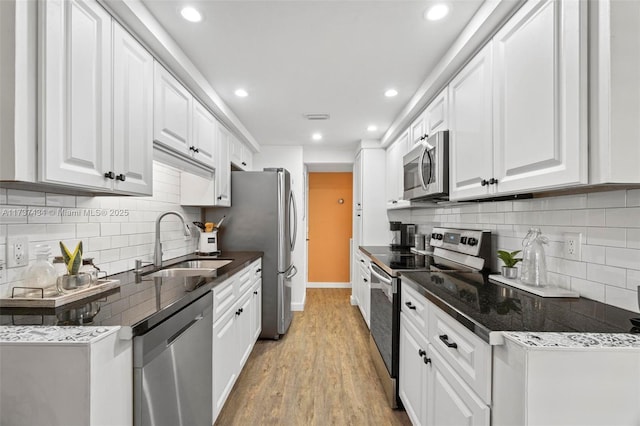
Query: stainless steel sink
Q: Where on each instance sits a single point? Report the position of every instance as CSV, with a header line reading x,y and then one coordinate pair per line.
x,y
182,272
203,264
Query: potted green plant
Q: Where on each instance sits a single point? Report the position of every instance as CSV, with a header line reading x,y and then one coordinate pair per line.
x,y
510,260
74,279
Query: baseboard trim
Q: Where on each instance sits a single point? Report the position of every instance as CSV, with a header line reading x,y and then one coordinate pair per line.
x,y
328,285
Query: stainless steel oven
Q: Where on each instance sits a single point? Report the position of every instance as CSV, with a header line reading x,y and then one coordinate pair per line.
x,y
385,328
426,169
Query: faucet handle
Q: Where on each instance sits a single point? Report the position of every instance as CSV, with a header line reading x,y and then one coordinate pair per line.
x,y
140,264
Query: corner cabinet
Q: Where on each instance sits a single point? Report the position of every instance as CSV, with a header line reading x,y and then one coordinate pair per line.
x,y
518,109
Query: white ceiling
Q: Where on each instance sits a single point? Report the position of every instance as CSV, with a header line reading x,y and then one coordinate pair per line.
x,y
303,56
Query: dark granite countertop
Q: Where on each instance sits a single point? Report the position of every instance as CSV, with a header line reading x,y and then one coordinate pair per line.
x,y
485,306
140,306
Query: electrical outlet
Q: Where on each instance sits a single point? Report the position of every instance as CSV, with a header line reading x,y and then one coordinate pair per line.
x,y
17,252
572,245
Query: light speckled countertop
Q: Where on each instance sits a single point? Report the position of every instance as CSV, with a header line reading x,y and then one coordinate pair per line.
x,y
54,334
574,340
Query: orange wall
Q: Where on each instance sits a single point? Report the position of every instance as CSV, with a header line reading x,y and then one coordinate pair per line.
x,y
329,226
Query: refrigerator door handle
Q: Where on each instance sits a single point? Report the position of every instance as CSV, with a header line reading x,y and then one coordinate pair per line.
x,y
293,218
292,272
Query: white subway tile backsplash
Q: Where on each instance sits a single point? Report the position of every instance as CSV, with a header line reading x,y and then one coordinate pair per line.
x,y
623,257
622,298
564,203
88,202
607,199
46,215
593,254
607,275
633,238
106,256
3,196
12,214
595,217
25,198
589,289
633,279
107,229
56,200
623,218
611,237
633,198
119,241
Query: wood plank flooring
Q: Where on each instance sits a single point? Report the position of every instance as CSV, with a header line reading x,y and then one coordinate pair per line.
x,y
319,373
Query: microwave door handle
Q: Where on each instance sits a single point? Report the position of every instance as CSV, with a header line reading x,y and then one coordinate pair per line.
x,y
425,151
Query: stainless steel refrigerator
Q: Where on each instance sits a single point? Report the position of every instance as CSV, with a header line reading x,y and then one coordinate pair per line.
x,y
262,217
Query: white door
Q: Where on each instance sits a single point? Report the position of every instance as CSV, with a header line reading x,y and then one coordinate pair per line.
x,y
224,358
470,119
412,377
204,135
132,114
235,150
75,94
223,169
538,101
256,308
449,401
172,112
245,329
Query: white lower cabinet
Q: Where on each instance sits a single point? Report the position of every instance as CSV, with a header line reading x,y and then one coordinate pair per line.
x,y
237,322
432,389
362,286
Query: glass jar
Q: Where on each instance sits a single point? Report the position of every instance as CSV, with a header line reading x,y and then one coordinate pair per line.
x,y
59,265
89,268
534,262
41,273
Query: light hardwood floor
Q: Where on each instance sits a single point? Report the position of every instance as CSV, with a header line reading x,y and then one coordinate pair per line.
x,y
319,373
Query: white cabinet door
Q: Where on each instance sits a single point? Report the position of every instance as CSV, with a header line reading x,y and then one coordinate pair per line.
x,y
418,129
357,185
204,135
244,329
235,151
132,114
247,158
224,358
437,114
256,309
449,401
75,93
223,169
172,112
393,174
412,380
539,104
470,116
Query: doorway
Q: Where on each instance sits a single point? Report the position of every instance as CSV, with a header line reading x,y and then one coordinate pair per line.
x,y
329,228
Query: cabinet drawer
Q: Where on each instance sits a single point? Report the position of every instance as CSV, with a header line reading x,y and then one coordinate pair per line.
x,y
414,306
466,353
244,281
223,297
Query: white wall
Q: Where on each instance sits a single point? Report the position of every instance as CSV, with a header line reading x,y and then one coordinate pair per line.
x,y
322,156
291,158
124,230
609,270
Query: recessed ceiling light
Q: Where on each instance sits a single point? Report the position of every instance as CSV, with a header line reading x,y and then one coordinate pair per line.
x,y
391,93
316,136
191,14
436,12
241,93
372,128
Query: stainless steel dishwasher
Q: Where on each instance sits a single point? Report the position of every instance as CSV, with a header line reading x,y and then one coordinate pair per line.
x,y
172,369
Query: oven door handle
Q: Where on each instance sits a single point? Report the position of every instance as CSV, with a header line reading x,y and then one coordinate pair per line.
x,y
382,276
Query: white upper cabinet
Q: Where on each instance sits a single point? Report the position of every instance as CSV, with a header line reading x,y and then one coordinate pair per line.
x,y
132,114
470,119
172,112
518,109
437,114
394,182
539,101
75,94
223,171
418,129
241,156
204,135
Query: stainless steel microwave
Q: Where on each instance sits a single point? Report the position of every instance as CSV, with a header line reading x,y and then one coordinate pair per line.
x,y
426,169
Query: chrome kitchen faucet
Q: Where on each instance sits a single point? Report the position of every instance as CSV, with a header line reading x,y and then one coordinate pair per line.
x,y
157,254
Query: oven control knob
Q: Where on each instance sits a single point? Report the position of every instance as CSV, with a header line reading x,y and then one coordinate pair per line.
x,y
463,240
472,241
434,236
439,236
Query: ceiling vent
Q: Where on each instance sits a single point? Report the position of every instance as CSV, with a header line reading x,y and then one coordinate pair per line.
x,y
316,116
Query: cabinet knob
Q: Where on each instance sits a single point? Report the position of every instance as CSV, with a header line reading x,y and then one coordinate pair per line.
x,y
244,164
121,177
426,360
219,197
484,182
255,292
421,352
493,181
110,175
196,150
238,313
258,270
365,280
192,148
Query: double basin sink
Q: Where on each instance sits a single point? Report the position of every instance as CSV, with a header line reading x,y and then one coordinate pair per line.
x,y
190,268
